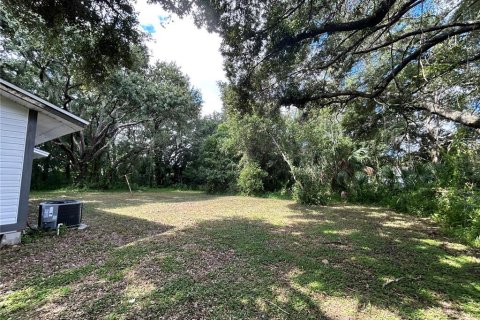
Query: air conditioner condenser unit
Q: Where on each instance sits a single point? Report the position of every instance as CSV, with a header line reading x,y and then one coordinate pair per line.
x,y
55,212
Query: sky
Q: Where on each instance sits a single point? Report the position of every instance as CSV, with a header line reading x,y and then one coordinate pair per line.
x,y
194,50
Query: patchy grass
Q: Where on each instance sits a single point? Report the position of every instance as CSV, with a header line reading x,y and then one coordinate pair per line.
x,y
172,254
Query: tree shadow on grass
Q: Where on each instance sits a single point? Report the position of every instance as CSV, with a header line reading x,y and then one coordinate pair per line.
x,y
44,253
106,231
395,261
128,199
335,262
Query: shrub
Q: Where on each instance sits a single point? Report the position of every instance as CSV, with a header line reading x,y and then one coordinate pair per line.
x,y
309,188
250,178
456,209
220,179
459,212
309,195
419,201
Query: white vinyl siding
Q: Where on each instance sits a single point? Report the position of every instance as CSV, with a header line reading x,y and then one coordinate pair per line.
x,y
13,129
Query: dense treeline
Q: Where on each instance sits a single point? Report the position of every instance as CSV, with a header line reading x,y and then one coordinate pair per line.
x,y
370,101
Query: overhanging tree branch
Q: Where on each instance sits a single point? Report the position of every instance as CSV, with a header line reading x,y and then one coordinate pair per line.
x,y
364,23
470,120
467,119
380,87
417,32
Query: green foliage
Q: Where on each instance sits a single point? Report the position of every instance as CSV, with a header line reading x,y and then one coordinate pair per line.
x,y
249,137
309,189
320,156
96,37
215,168
250,177
311,112
459,212
405,55
91,60
418,201
447,190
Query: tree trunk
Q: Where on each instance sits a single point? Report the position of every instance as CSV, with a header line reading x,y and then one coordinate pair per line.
x,y
287,160
158,164
81,176
68,173
46,168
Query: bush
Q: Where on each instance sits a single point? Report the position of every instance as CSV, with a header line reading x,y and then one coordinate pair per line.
x,y
421,201
459,212
220,179
250,178
362,191
309,189
309,195
456,209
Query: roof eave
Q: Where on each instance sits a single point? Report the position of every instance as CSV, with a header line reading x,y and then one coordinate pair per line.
x,y
33,102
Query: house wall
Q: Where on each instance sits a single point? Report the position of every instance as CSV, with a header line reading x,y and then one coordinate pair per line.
x,y
13,132
20,112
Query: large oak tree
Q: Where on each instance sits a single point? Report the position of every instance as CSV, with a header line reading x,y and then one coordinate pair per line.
x,y
317,53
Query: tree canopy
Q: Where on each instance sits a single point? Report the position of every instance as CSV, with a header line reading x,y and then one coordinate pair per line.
x,y
312,54
99,35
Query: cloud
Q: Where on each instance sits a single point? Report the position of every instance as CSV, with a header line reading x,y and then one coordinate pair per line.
x,y
194,50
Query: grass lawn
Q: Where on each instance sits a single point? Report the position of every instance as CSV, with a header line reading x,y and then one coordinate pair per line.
x,y
178,255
